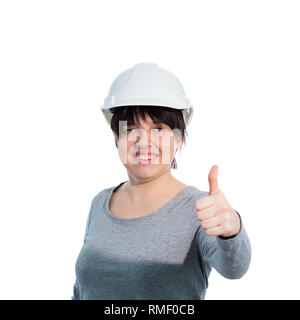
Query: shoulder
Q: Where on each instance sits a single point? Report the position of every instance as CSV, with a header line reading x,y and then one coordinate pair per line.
x,y
101,195
196,193
189,196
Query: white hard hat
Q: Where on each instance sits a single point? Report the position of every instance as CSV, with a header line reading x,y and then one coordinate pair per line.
x,y
147,84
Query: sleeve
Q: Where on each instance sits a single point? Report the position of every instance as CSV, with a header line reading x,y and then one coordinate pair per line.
x,y
76,291
76,287
87,226
228,256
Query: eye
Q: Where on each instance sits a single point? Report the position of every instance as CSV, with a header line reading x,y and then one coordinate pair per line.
x,y
159,128
128,130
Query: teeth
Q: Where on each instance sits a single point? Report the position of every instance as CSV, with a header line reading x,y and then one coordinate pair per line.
x,y
143,158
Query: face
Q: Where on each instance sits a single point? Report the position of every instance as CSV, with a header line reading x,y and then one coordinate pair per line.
x,y
147,150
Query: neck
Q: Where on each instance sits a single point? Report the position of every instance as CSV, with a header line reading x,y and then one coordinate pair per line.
x,y
147,189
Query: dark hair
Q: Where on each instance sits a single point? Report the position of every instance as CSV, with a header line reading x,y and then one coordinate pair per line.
x,y
169,116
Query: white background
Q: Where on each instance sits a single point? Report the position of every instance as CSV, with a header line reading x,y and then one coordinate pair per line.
x,y
239,64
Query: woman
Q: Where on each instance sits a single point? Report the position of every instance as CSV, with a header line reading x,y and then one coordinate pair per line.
x,y
154,237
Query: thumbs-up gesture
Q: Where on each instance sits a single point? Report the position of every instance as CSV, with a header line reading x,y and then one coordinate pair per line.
x,y
216,216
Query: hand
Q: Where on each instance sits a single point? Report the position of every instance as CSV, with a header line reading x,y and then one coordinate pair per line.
x,y
216,216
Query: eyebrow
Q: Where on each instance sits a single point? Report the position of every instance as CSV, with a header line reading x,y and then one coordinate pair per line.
x,y
138,126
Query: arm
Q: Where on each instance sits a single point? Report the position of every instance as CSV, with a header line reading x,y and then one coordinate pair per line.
x,y
76,292
229,256
76,287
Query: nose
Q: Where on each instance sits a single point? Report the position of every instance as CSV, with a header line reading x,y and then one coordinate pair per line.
x,y
143,139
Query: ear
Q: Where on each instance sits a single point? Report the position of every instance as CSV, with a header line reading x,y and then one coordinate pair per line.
x,y
179,143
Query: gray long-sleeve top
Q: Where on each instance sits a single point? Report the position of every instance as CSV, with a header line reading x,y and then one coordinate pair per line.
x,y
163,255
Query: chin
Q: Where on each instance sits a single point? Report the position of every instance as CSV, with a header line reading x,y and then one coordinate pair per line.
x,y
146,171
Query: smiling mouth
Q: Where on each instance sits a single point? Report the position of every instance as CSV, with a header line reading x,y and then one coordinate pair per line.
x,y
145,158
